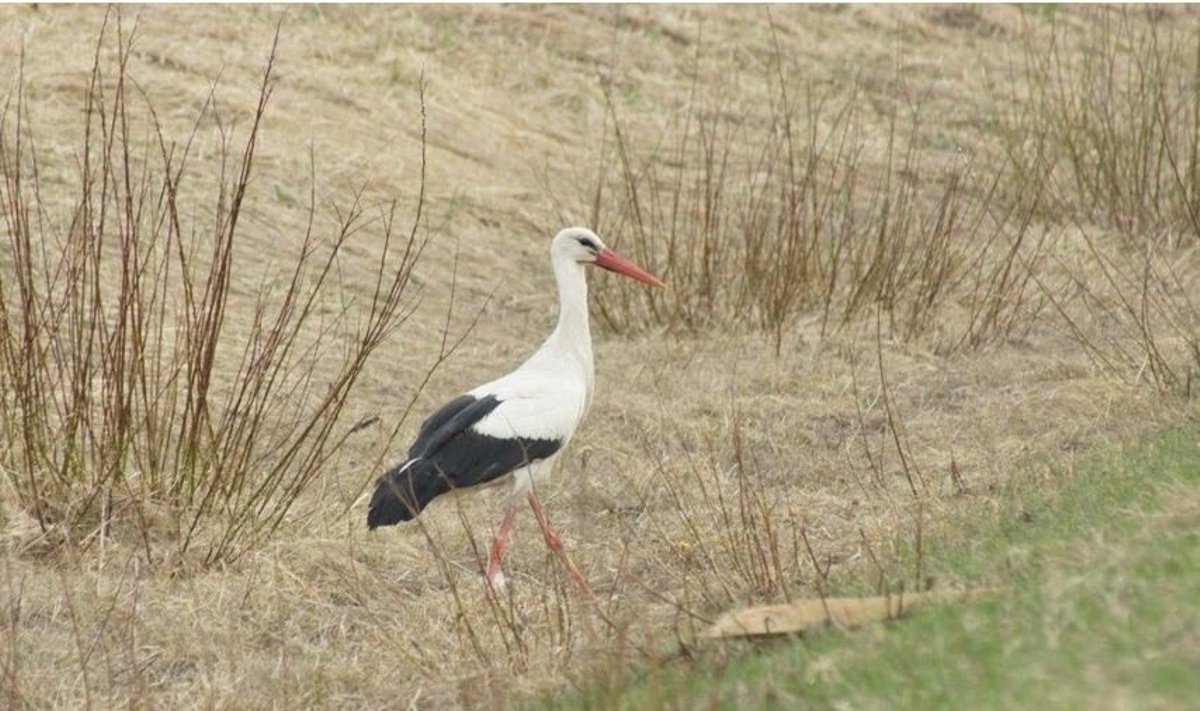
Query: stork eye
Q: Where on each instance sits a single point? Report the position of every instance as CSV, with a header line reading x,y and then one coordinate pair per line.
x,y
589,243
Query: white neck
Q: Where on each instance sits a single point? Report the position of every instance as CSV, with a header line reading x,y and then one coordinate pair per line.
x,y
572,335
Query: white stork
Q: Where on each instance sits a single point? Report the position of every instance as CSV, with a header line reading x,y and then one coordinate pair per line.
x,y
516,426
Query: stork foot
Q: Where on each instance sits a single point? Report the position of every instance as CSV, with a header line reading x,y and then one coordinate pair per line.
x,y
495,581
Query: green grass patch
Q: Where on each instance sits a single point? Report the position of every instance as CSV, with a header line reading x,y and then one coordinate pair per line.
x,y
1101,569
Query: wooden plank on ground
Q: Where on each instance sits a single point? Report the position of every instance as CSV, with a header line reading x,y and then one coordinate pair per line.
x,y
815,613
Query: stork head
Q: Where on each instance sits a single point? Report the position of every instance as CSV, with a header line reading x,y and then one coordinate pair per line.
x,y
579,244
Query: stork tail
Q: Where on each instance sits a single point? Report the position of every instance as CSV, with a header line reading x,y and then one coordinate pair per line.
x,y
403,492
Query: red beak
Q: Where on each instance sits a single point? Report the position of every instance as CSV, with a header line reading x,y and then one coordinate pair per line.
x,y
613,262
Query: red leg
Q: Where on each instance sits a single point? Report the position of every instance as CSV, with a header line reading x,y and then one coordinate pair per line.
x,y
494,576
556,545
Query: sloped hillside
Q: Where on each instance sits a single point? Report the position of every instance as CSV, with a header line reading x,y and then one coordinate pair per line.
x,y
907,257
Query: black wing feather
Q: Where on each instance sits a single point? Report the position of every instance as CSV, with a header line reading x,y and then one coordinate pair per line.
x,y
448,455
455,417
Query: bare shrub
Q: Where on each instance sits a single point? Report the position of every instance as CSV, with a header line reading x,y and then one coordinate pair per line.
x,y
758,220
128,396
1116,106
1110,116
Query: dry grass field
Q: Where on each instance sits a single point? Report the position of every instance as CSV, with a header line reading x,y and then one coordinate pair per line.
x,y
910,252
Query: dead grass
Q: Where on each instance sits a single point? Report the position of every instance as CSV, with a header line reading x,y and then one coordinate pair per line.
x,y
729,457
